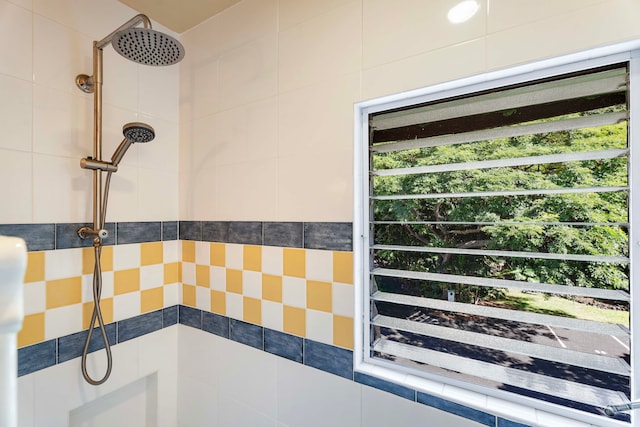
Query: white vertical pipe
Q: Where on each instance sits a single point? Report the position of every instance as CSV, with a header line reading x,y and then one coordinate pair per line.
x,y
13,262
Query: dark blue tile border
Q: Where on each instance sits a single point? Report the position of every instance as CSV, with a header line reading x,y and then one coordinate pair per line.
x,y
284,345
190,230
137,326
38,237
328,358
169,316
139,232
246,333
384,385
215,324
71,346
37,357
190,316
507,423
335,236
170,230
285,234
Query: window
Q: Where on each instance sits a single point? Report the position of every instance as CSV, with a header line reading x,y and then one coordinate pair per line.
x,y
493,232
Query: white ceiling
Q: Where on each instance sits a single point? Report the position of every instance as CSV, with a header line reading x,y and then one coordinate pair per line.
x,y
179,15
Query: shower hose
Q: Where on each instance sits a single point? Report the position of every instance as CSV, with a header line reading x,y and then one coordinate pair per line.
x,y
97,291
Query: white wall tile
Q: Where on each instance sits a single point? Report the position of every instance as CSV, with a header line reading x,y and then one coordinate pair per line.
x,y
234,305
123,194
17,198
162,152
292,12
26,4
306,49
63,124
171,251
272,315
218,278
203,298
294,291
405,28
248,73
151,276
381,409
87,286
252,284
172,294
343,299
35,297
189,273
245,365
203,253
319,117
320,326
319,265
120,80
126,306
157,195
246,187
26,401
272,260
59,55
16,114
63,263
236,414
319,196
61,190
310,397
417,71
62,321
197,403
17,44
126,256
158,92
234,256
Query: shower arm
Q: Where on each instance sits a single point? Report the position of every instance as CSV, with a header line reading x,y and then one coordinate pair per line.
x,y
93,84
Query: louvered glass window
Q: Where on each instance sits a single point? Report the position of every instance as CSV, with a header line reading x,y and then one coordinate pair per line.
x,y
498,238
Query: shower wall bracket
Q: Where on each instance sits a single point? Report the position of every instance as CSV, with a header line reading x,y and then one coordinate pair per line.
x,y
85,83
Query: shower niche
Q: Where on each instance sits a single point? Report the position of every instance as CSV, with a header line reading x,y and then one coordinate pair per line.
x,y
133,405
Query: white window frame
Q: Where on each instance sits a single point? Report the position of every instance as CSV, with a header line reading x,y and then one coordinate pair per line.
x,y
498,402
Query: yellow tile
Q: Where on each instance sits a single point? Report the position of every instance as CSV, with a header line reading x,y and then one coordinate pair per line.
x,y
171,273
218,302
343,331
252,310
252,258
106,308
217,254
125,281
319,296
88,259
234,281
151,253
202,276
294,320
106,258
343,267
151,300
188,251
293,262
35,267
189,295
32,331
272,288
63,292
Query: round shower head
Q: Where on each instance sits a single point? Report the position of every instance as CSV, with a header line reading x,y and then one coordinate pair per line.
x,y
147,46
138,132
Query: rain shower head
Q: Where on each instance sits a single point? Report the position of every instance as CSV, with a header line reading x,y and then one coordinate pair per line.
x,y
147,46
133,132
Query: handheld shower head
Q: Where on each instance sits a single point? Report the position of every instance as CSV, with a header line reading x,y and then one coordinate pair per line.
x,y
147,46
133,132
